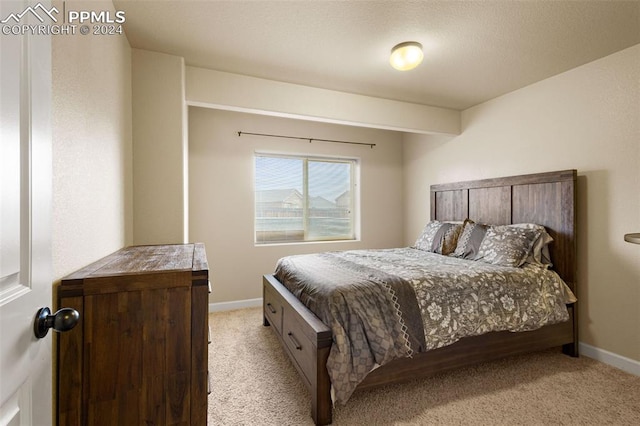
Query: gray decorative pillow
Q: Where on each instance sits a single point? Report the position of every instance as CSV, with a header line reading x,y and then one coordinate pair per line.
x,y
507,245
439,237
539,254
470,239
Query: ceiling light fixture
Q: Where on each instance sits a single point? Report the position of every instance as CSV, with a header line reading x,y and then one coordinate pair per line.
x,y
406,56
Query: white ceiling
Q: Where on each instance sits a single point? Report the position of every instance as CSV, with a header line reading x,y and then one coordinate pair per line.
x,y
474,50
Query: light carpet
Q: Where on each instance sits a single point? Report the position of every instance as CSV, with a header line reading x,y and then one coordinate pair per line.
x,y
254,383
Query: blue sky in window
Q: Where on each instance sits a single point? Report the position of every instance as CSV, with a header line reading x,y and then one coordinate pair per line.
x,y
326,179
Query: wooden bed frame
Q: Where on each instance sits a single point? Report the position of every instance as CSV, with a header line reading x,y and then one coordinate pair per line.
x,y
547,199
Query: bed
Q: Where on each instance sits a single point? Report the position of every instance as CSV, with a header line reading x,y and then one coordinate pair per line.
x,y
547,199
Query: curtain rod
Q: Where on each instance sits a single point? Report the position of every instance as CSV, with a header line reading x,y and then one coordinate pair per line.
x,y
370,145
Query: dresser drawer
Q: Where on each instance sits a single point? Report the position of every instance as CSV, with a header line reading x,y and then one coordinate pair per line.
x,y
273,309
299,345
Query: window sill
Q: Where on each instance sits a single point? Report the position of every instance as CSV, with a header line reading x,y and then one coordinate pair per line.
x,y
295,243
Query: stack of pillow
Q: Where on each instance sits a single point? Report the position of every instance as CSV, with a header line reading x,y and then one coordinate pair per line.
x,y
504,245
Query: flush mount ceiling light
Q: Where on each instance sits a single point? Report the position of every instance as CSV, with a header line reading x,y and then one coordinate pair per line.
x,y
406,56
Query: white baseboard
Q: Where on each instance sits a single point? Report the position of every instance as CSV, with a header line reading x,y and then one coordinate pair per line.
x,y
238,304
614,360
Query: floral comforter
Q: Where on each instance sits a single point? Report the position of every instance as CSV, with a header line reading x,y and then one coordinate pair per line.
x,y
391,303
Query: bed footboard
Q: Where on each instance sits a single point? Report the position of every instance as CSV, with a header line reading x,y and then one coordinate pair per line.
x,y
305,339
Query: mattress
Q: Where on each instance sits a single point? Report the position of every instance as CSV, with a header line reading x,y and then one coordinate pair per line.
x,y
391,303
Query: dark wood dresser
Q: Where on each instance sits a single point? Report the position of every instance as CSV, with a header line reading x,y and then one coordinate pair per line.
x,y
138,355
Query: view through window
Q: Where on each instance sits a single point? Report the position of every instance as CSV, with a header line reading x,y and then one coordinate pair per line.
x,y
303,199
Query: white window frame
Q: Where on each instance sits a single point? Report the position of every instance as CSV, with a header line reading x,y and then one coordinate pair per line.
x,y
354,207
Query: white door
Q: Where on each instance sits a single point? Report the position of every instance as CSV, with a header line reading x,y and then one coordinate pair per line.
x,y
25,222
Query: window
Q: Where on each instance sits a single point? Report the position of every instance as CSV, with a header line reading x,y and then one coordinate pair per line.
x,y
304,199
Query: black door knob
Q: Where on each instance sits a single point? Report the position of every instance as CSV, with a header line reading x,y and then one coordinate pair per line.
x,y
63,320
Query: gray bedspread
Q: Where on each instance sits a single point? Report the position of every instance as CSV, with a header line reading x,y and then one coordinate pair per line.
x,y
387,304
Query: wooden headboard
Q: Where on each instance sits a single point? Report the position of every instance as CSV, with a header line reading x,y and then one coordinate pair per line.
x,y
547,199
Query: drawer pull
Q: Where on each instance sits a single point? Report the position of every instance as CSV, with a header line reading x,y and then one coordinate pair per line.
x,y
209,334
271,308
208,383
209,286
295,341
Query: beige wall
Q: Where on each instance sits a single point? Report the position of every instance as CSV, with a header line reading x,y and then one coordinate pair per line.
x,y
92,166
221,191
588,119
159,148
